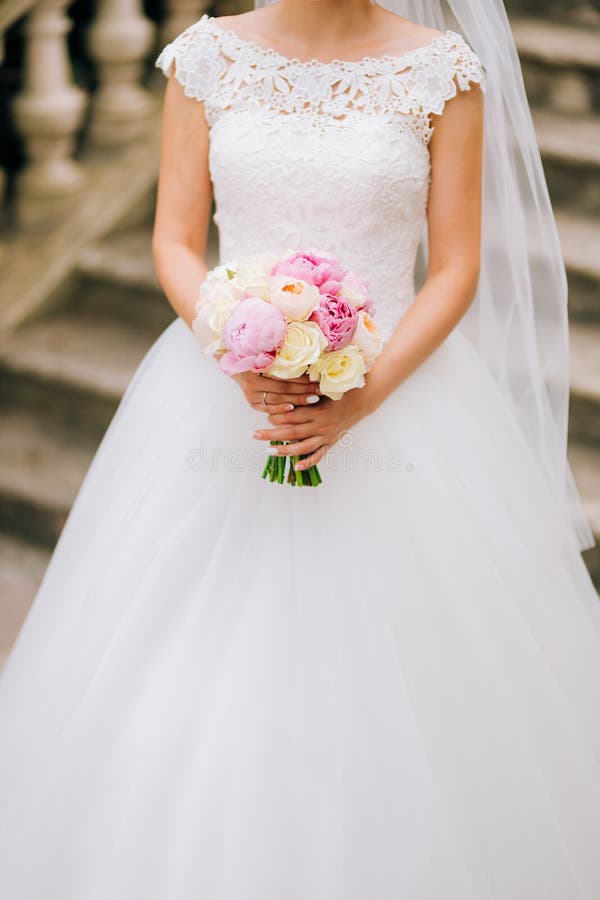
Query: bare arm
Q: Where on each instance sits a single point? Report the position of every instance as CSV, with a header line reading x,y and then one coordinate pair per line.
x,y
184,201
181,230
454,225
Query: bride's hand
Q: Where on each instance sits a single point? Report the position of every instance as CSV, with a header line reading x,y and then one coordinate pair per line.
x,y
280,396
314,429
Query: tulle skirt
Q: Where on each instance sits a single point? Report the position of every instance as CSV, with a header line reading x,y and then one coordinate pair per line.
x,y
385,687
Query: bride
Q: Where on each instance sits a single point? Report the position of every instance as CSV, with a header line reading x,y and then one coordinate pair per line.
x,y
385,687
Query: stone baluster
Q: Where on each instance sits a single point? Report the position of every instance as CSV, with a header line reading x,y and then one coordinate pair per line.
x,y
119,42
2,183
2,215
48,114
179,14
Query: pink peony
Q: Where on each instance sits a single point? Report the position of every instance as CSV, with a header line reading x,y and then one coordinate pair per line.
x,y
252,335
324,272
337,319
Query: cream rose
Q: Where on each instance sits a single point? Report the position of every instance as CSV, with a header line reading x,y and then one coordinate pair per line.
x,y
215,289
211,315
366,337
304,343
339,371
215,279
295,298
252,276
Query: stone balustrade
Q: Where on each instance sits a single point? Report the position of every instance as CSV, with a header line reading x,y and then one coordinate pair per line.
x,y
57,120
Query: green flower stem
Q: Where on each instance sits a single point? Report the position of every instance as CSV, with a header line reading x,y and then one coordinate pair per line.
x,y
298,472
275,470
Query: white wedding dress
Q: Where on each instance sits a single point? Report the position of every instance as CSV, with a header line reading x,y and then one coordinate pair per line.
x,y
385,687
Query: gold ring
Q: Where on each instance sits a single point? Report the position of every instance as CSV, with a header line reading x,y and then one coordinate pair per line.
x,y
265,398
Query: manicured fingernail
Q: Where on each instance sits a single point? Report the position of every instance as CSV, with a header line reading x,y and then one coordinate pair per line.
x,y
289,407
256,434
312,398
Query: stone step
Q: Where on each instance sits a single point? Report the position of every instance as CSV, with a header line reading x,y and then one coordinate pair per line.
x,y
42,263
74,364
122,265
584,417
571,155
22,566
118,280
579,239
585,462
124,258
580,242
41,468
561,64
582,12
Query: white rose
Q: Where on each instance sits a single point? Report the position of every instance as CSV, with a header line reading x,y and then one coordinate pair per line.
x,y
211,316
366,337
218,290
252,275
303,345
295,298
218,276
339,371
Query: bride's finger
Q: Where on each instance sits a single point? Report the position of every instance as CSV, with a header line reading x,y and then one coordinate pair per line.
x,y
297,416
272,407
296,432
313,459
307,445
270,399
254,382
272,385
301,379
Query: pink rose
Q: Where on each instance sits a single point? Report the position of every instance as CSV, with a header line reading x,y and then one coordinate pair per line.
x,y
337,319
252,335
324,272
356,291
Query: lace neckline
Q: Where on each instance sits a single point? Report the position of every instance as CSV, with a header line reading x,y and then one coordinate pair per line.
x,y
233,42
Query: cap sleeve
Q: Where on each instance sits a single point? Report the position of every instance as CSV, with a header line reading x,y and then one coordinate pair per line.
x,y
194,59
438,75
468,69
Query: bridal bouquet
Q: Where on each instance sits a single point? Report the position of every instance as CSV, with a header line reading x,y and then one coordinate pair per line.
x,y
285,316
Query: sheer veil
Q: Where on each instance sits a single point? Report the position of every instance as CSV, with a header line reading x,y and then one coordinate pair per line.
x,y
518,320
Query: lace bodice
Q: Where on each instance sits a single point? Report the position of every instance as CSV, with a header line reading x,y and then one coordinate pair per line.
x,y
330,155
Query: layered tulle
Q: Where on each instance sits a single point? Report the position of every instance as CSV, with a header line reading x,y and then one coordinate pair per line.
x,y
387,686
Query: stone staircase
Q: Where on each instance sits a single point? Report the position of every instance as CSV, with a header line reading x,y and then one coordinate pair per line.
x,y
63,374
561,67
61,379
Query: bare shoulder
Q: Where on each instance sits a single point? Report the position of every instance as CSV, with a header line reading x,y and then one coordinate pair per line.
x,y
404,35
387,33
248,25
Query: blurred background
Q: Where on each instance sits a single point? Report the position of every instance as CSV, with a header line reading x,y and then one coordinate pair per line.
x,y
79,300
